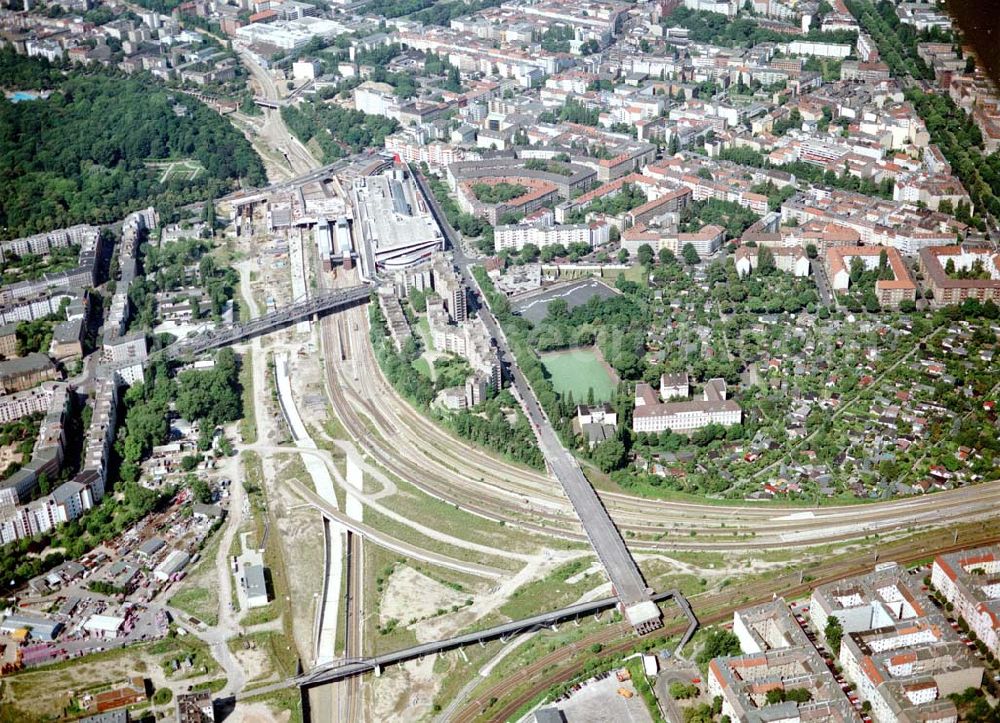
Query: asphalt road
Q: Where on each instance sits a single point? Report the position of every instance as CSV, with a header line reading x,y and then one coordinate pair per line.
x,y
601,531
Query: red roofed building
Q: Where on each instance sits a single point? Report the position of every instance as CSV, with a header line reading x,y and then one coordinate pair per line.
x,y
970,580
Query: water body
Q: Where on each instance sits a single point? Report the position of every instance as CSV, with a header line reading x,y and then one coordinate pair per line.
x,y
980,22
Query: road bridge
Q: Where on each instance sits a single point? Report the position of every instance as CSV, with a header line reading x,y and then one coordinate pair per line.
x,y
600,529
318,304
372,162
346,668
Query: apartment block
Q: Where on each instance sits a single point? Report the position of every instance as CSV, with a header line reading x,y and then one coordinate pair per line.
x,y
793,260
515,237
947,288
890,292
30,401
23,373
40,244
906,671
898,650
884,597
970,581
453,331
8,340
780,676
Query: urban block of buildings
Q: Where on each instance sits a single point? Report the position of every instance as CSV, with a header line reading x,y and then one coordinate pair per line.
x,y
897,648
970,581
948,288
890,292
780,676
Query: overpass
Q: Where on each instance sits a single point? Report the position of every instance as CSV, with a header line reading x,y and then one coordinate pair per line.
x,y
267,102
346,668
604,537
377,161
318,304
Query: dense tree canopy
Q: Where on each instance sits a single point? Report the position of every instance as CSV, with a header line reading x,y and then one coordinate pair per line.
x,y
212,395
338,131
81,155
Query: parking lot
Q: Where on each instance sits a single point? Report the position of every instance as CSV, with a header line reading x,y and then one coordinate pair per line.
x,y
534,306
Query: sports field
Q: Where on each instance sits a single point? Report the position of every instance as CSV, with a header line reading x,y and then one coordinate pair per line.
x,y
577,371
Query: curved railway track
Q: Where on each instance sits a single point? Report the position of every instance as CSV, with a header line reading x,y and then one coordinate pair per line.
x,y
545,673
416,449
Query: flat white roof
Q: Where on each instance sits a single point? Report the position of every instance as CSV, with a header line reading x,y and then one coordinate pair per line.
x,y
642,612
104,623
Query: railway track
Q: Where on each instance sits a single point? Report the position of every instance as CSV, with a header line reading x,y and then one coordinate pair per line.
x,y
502,492
545,673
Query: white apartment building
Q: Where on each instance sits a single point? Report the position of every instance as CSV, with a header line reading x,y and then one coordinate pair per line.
x,y
516,236
970,581
435,154
376,99
728,8
30,401
83,235
793,260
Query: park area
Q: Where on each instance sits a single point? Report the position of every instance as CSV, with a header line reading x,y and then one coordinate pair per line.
x,y
578,371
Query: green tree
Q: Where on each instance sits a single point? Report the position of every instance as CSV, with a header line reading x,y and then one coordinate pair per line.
x,y
719,643
690,254
833,632
609,455
645,255
765,261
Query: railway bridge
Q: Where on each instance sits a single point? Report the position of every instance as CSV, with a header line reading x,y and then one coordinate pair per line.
x,y
317,304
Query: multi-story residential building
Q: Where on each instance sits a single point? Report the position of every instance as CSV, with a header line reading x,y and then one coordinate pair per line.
x,y
728,8
970,581
449,287
777,657
22,373
890,292
948,289
47,452
15,309
673,201
663,234
40,244
8,340
514,237
896,647
452,331
793,260
652,415
538,193
395,319
884,597
30,401
907,670
435,154
871,72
